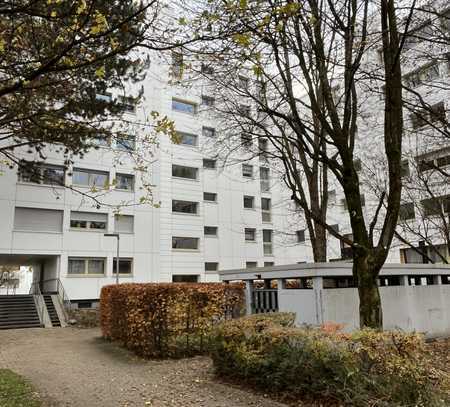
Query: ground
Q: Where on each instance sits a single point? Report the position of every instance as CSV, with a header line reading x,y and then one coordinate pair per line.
x,y
76,368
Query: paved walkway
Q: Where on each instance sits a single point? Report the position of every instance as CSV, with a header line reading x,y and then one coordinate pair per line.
x,y
74,367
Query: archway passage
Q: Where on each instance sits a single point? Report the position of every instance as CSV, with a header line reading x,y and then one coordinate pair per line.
x,y
28,284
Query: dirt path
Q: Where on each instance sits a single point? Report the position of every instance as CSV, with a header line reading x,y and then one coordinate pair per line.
x,y
73,367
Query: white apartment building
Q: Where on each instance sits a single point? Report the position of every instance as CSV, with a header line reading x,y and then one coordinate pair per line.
x,y
211,215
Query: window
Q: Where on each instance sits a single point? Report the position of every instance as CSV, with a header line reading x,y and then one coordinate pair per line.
x,y
243,82
177,65
404,170
38,173
265,210
244,110
183,106
125,182
269,264
246,140
82,265
101,140
251,264
88,220
211,266
185,243
181,171
407,211
443,161
423,75
125,265
436,206
208,131
104,97
247,171
207,100
127,103
184,207
422,117
123,223
209,164
126,143
185,278
249,202
187,139
250,234
431,206
260,90
263,146
210,231
210,196
90,178
264,177
267,242
207,69
38,220
301,238
332,196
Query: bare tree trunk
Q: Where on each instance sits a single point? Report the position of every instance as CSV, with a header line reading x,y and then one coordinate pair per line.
x,y
320,246
365,275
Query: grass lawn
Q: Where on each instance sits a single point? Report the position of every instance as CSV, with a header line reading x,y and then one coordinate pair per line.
x,y
16,391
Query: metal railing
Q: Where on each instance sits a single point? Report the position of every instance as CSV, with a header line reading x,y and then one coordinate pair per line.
x,y
40,305
62,295
264,300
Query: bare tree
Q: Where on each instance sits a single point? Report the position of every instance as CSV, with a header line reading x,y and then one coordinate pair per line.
x,y
308,62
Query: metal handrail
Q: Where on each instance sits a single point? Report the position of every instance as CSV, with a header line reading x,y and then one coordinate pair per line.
x,y
36,290
62,294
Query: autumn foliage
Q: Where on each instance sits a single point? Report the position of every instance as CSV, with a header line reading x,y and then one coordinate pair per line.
x,y
363,368
166,319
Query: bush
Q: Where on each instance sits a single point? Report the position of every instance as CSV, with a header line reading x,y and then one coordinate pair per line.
x,y
360,369
85,318
166,320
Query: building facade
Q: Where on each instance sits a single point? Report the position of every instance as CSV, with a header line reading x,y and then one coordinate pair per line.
x,y
208,214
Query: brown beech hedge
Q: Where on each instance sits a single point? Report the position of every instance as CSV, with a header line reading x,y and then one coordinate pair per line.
x,y
159,320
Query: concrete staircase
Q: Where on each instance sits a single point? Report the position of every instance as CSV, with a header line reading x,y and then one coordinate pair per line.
x,y
18,311
51,310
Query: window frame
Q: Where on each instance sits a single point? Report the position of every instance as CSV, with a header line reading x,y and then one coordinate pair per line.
x,y
183,135
86,266
206,129
181,201
88,223
196,239
210,200
206,160
123,259
252,199
40,169
194,106
185,178
90,174
216,269
247,171
121,174
213,228
251,231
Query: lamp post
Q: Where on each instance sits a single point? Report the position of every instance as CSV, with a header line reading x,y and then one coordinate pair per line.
x,y
117,236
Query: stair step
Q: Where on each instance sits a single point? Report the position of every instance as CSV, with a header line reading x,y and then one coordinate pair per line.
x,y
19,326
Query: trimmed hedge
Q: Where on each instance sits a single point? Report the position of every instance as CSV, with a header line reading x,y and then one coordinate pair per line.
x,y
366,368
169,319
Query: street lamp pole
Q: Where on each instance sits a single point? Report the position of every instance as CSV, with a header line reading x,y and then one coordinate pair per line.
x,y
117,236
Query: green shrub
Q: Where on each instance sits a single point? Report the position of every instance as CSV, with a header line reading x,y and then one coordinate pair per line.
x,y
166,320
361,369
